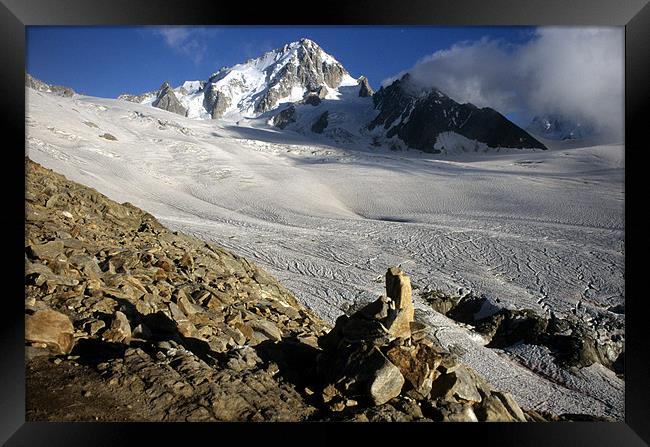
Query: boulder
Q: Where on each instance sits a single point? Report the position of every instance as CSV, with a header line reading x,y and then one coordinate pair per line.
x,y
120,330
382,380
51,328
457,384
418,365
511,405
266,328
492,409
47,251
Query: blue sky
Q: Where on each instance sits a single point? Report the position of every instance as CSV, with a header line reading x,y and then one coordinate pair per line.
x,y
107,61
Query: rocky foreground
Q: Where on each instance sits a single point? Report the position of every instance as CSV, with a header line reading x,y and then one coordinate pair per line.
x,y
126,320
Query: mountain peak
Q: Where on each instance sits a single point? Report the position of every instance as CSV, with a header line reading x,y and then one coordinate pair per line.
x,y
285,74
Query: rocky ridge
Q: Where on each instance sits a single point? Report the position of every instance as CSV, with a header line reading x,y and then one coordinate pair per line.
x,y
126,320
167,100
41,86
418,116
299,74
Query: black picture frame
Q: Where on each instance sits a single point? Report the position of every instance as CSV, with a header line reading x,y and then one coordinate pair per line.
x,y
15,15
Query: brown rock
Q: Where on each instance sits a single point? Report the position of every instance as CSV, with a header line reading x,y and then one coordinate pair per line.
x,y
120,330
492,409
458,384
51,328
398,289
266,328
511,405
385,379
48,251
245,329
414,368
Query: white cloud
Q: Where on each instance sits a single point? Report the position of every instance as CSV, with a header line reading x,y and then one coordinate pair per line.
x,y
188,41
577,72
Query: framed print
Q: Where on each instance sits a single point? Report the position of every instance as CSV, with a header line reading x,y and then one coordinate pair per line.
x,y
325,217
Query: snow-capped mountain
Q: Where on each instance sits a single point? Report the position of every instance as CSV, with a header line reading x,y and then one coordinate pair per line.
x,y
284,75
429,120
558,127
301,88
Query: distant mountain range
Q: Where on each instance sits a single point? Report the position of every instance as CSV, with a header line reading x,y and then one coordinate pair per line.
x,y
301,88
559,127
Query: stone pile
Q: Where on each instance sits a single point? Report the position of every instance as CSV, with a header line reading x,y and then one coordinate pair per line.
x,y
380,356
162,317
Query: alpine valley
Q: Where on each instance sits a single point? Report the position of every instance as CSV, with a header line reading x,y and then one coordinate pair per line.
x,y
512,239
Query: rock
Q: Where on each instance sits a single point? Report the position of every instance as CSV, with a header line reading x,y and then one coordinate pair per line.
x,y
382,379
511,405
51,328
41,86
492,409
398,289
365,90
187,307
245,329
312,99
321,123
440,302
329,393
119,331
418,370
358,329
267,328
48,251
458,413
108,136
428,118
141,332
167,100
331,340
377,310
285,117
457,384
219,100
93,326
31,352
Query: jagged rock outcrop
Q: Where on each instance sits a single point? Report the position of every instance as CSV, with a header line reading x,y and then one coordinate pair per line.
x,y
167,100
364,88
285,117
41,86
419,116
315,97
215,101
321,123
